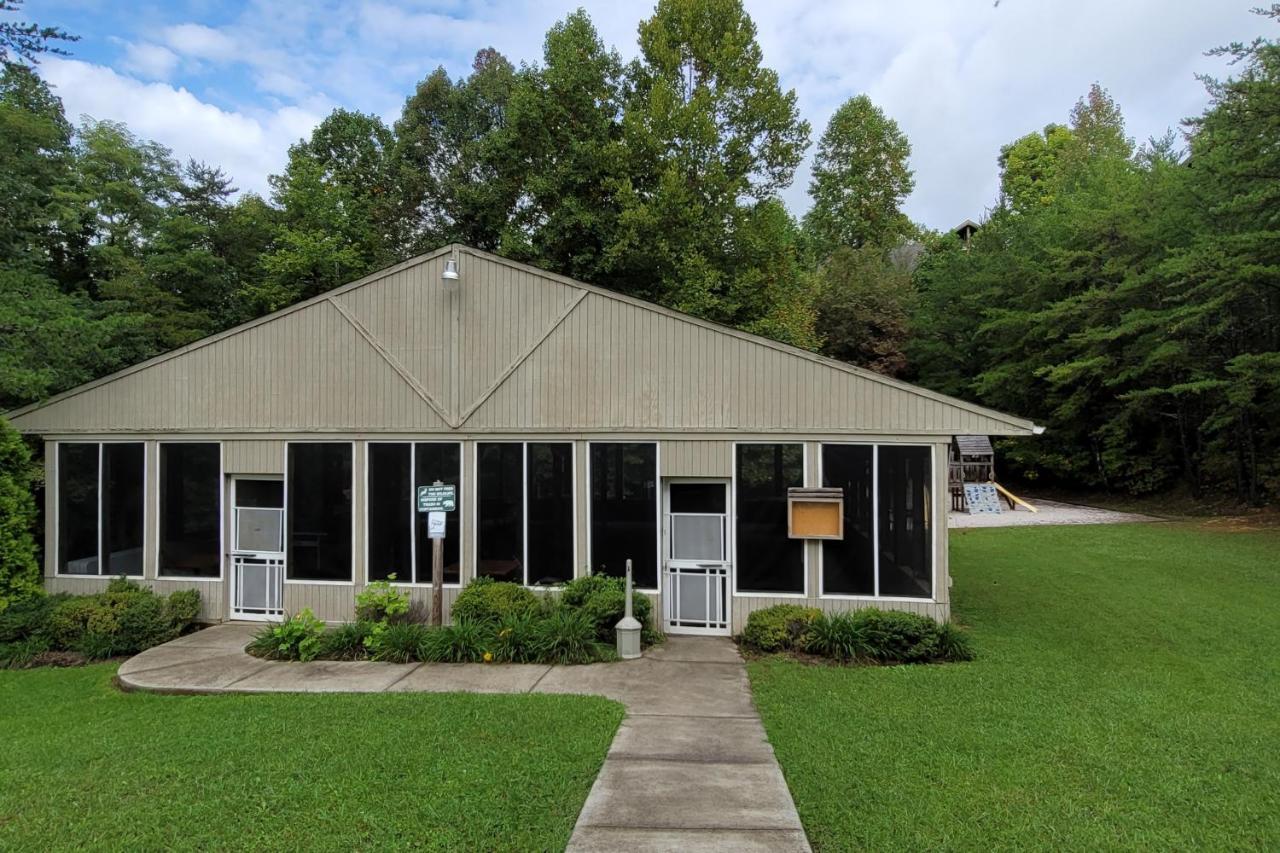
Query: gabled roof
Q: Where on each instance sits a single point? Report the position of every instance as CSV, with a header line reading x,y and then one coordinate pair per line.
x,y
515,349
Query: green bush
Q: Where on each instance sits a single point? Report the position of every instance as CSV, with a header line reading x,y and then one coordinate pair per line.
x,y
96,645
899,637
839,636
487,600
465,641
27,617
19,571
296,638
183,608
603,600
141,621
398,642
345,642
22,653
71,617
782,627
515,640
954,644
379,601
565,636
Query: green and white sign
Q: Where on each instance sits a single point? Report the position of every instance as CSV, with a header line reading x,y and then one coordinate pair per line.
x,y
437,498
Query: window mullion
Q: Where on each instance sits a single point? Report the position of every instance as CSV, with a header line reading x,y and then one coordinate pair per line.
x,y
875,517
524,511
413,509
102,564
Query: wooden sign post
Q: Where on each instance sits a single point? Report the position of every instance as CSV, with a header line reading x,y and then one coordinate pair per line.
x,y
437,500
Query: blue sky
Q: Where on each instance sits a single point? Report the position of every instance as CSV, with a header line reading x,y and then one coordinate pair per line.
x,y
235,83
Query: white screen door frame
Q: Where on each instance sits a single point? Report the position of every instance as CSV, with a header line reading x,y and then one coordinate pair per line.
x,y
697,557
257,556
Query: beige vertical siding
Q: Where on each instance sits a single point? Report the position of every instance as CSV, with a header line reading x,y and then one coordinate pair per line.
x,y
253,457
697,458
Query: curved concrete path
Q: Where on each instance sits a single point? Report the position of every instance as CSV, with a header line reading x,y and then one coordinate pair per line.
x,y
690,767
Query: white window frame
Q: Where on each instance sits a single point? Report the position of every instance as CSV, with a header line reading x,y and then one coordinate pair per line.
x,y
57,508
733,519
875,526
657,521
413,510
222,508
524,505
287,562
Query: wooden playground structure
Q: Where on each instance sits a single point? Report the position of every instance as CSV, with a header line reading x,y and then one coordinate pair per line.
x,y
973,463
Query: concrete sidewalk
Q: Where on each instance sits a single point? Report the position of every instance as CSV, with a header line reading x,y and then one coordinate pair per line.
x,y
690,767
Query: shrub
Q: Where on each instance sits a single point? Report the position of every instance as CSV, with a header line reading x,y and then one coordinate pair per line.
x,y
839,636
515,640
779,628
122,584
183,608
397,642
22,653
296,638
465,641
96,645
69,619
19,571
566,636
27,617
603,600
953,643
381,602
345,642
487,600
899,637
141,621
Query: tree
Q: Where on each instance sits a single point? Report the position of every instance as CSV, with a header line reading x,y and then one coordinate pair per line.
x,y
707,128
860,179
864,309
338,216
1029,168
19,571
562,131
22,42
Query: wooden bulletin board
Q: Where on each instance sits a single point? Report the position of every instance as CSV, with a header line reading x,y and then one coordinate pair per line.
x,y
815,513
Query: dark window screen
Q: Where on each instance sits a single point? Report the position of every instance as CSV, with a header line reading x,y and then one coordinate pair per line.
x,y
849,565
439,462
550,497
906,553
123,507
190,508
767,560
500,497
260,494
697,498
319,512
390,505
78,509
624,508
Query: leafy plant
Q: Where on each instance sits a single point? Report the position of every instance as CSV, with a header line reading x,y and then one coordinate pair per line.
x,y
465,641
345,642
98,645
27,617
779,628
895,636
487,600
839,636
22,653
953,643
566,636
515,638
379,601
183,608
603,600
398,642
296,638
19,570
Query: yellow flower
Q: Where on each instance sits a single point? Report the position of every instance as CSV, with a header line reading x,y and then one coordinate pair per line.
x,y
488,657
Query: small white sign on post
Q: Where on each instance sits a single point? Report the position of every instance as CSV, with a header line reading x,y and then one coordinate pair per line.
x,y
435,525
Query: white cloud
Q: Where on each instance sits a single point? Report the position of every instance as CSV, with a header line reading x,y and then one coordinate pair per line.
x,y
248,147
151,61
201,42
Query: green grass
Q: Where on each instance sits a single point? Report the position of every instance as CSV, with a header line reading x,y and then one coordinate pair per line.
x,y
83,765
1126,695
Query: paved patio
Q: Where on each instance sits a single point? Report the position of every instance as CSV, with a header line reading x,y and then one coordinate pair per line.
x,y
690,767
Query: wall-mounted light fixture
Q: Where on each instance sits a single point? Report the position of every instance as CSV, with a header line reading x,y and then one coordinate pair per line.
x,y
450,275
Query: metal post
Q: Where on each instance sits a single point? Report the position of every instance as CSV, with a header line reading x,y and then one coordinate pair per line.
x,y
437,577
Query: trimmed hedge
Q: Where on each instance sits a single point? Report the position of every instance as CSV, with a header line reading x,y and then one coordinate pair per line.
x,y
603,599
869,635
487,600
123,620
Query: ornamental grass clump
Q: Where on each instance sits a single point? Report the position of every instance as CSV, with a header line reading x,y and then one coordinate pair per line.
x,y
465,641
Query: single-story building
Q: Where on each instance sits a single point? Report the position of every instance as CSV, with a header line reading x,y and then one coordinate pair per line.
x,y
274,466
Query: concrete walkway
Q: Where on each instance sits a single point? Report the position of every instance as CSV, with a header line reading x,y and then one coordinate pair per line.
x,y
690,767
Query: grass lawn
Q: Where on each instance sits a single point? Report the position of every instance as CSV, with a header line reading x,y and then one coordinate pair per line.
x,y
1126,695
83,765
